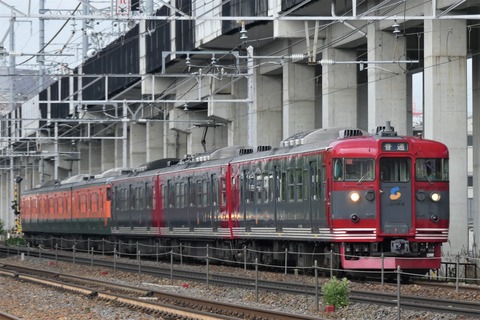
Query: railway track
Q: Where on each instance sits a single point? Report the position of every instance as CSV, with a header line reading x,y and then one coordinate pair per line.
x,y
413,302
165,305
6,316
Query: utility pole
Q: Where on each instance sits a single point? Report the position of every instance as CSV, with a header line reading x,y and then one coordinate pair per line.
x,y
11,130
41,44
252,116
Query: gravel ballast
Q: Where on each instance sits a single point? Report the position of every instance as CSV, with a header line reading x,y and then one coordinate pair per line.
x,y
31,301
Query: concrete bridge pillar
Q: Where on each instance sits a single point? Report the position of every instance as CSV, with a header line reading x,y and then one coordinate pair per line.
x,y
298,98
476,151
90,155
339,89
445,114
154,143
108,157
137,144
387,83
269,110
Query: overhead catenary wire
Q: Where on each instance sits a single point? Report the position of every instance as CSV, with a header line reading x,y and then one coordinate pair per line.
x,y
173,87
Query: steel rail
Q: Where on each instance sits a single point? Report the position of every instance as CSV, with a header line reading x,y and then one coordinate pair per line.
x,y
383,298
171,304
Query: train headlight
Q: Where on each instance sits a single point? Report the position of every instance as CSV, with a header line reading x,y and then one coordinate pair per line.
x,y
435,196
354,196
434,218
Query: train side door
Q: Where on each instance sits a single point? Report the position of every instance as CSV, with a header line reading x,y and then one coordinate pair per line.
x,y
396,196
214,202
275,189
190,202
223,212
315,199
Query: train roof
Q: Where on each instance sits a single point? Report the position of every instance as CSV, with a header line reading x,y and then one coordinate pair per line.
x,y
315,140
322,136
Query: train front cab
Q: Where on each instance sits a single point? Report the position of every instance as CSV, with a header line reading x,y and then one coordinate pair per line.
x,y
399,217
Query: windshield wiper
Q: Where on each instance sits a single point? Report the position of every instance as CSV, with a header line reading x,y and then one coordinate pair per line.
x,y
363,177
426,177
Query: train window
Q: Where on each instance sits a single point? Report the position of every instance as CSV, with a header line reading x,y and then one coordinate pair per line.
x,y
431,170
338,169
204,193
191,193
164,194
82,204
153,192
224,191
124,200
140,198
266,188
271,187
215,188
313,180
395,169
299,183
250,184
259,186
178,195
353,169
199,193
283,187
306,187
148,196
183,189
133,197
61,205
88,204
135,192
51,207
291,185
94,202
170,194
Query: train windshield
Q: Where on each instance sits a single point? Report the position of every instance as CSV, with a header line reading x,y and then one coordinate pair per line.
x,y
431,170
353,169
395,169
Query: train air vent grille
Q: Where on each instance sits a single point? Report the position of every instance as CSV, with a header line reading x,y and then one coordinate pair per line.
x,y
264,148
350,133
172,163
244,151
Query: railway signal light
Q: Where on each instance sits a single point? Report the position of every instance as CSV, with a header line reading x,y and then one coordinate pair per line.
x,y
15,207
16,195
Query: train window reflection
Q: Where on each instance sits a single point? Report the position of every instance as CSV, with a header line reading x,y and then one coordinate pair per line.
x,y
395,169
430,170
353,169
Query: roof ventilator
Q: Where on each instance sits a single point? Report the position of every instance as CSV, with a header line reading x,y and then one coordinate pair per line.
x,y
386,131
350,133
244,151
263,148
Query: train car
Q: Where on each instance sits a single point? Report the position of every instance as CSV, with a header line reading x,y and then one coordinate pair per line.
x,y
371,200
341,197
388,197
134,214
76,208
